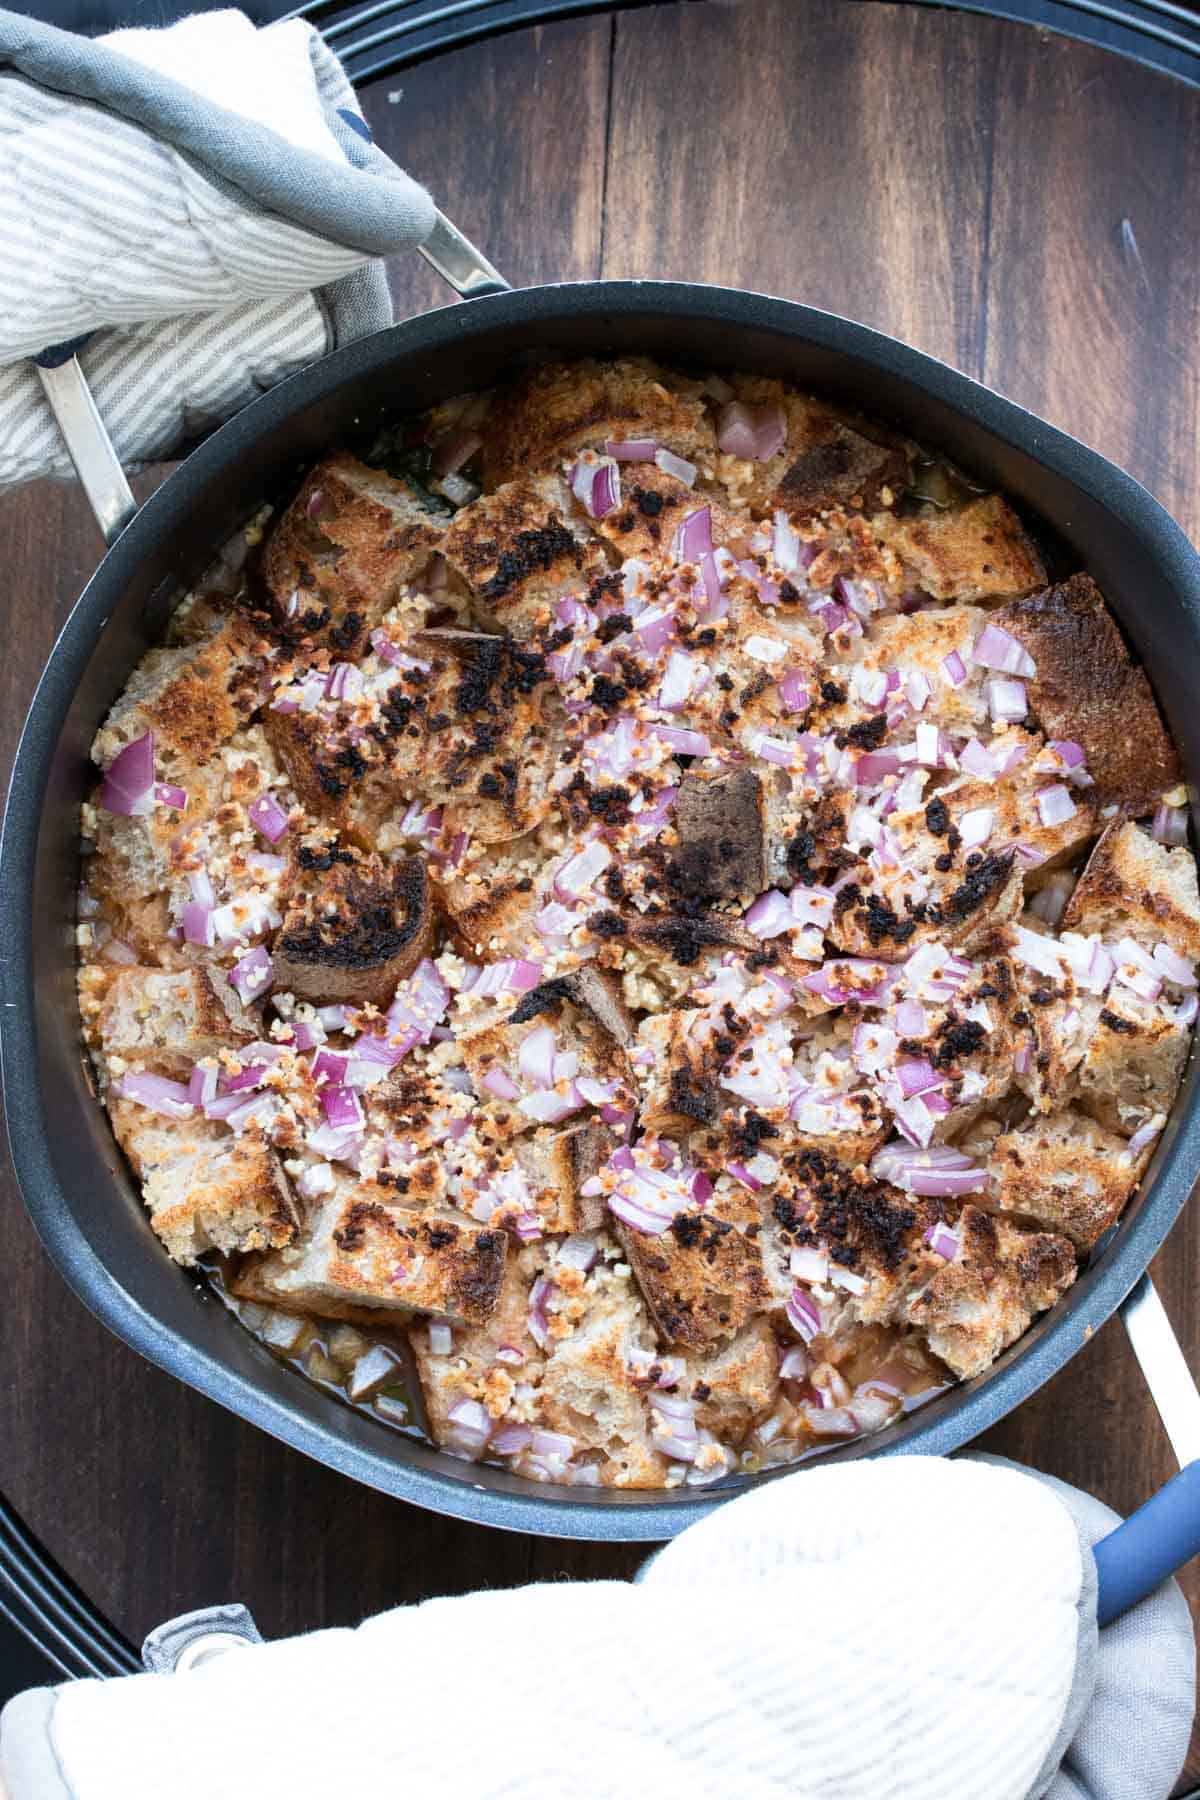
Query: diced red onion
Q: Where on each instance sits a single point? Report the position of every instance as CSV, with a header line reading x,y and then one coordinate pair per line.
x,y
509,1440
755,434
693,539
808,1263
582,869
498,1082
916,1076
974,759
252,975
1055,806
875,766
633,450
345,682
197,924
1006,699
128,787
975,826
579,1252
1170,825
942,1241
656,628
803,1314
794,692
548,1106
170,796
996,648
956,669
441,1338
267,816
157,1094
202,1083
1144,1135
769,915
1050,900
342,1108
1175,968
535,1057
537,1318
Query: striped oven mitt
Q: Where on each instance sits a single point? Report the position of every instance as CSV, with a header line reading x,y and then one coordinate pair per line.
x,y
200,208
900,1629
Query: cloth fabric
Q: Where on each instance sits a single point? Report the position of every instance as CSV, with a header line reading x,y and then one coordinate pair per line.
x,y
203,204
908,1626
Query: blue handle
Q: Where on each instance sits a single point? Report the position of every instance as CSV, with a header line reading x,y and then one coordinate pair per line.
x,y
1153,1543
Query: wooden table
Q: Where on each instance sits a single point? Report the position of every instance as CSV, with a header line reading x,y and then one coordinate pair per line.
x,y
1020,205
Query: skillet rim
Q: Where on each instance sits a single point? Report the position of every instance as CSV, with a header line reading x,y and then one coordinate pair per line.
x,y
947,1424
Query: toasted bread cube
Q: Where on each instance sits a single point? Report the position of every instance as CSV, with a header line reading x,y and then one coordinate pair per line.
x,y
972,552
355,932
136,853
521,548
719,820
583,1008
593,1387
824,464
918,644
681,1085
471,1369
736,1382
1065,1173
167,1020
205,1188
361,1248
348,540
193,698
652,508
702,1279
1133,885
976,1306
558,410
1088,690
558,1164
490,906
1133,1063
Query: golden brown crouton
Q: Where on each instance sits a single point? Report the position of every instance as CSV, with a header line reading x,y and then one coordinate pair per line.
x,y
652,508
519,549
472,1369
919,643
1087,690
193,698
345,544
560,409
362,1248
702,1279
1133,884
1133,1062
166,1021
972,552
206,1189
557,1164
1064,1173
358,928
974,1307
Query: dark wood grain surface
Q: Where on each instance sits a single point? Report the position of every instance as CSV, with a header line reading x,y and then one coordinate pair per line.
x,y
1020,205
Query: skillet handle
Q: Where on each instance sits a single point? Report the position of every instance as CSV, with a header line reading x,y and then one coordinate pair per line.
x,y
1162,1535
91,450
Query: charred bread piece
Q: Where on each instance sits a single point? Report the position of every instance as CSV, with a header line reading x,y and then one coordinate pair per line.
x,y
558,410
558,1164
1133,885
825,463
205,1188
348,540
1064,1173
1133,1063
972,552
362,1249
976,1306
167,1020
653,506
192,697
588,1019
702,1278
357,927
1089,691
721,850
519,549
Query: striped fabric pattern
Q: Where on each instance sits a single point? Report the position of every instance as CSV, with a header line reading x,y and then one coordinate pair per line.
x,y
199,277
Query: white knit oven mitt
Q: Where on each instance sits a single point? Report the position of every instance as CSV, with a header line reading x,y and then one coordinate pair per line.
x,y
907,1627
201,204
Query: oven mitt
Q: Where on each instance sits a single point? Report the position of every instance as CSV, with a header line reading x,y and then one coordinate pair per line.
x,y
907,1626
202,204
